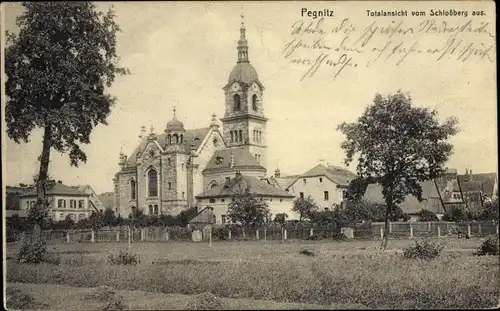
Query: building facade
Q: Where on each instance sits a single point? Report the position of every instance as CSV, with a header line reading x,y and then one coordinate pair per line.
x,y
326,185
63,201
166,171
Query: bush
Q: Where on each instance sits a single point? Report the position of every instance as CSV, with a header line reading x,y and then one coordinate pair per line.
x,y
106,294
17,300
426,215
32,252
221,233
206,301
423,249
488,247
123,258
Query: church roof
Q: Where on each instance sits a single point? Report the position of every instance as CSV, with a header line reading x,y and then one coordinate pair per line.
x,y
283,182
197,134
478,182
243,72
221,159
240,183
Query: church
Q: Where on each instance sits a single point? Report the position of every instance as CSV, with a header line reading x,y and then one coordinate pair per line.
x,y
171,171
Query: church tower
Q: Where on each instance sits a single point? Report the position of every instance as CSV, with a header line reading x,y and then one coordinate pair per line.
x,y
244,123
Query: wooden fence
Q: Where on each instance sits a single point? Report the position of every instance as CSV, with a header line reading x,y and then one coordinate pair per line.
x,y
397,230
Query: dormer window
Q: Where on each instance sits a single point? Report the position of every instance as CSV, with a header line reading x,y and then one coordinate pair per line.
x,y
254,102
236,102
218,160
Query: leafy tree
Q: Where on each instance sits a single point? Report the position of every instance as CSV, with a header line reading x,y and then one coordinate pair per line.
x,y
95,220
398,146
247,209
58,68
185,216
426,215
455,212
356,189
68,222
109,218
280,218
490,210
306,207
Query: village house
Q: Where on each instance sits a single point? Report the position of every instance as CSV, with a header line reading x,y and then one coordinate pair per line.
x,y
63,201
326,185
469,191
220,196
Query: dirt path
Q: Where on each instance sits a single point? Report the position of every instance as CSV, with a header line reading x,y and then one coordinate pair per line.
x,y
60,297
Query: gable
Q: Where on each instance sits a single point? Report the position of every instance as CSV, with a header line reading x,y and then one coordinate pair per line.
x,y
195,135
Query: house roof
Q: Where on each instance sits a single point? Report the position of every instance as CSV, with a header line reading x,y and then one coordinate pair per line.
x,y
205,216
107,199
197,134
58,189
411,205
472,181
221,159
283,182
337,174
242,182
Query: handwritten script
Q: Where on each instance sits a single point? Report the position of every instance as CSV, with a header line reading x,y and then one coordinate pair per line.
x,y
341,44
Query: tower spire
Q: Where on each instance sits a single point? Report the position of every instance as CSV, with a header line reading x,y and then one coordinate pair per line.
x,y
174,111
242,43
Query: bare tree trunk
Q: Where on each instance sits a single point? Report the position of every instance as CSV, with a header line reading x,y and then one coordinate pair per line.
x,y
383,245
41,205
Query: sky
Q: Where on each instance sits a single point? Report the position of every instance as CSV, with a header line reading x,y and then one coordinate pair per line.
x,y
181,53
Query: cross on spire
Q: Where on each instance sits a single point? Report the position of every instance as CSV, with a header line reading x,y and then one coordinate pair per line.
x,y
174,111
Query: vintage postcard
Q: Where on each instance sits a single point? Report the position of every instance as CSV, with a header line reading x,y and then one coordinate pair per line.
x,y
249,155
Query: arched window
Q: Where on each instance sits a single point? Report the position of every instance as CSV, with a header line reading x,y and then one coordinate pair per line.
x,y
232,136
240,135
254,102
181,139
150,209
132,189
175,139
236,102
152,183
169,139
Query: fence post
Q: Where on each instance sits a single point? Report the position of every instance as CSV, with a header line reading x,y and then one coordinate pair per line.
x,y
311,232
284,234
429,223
479,228
142,234
439,231
117,236
92,236
129,238
497,228
67,237
411,231
229,234
167,236
210,237
390,227
257,234
381,232
468,231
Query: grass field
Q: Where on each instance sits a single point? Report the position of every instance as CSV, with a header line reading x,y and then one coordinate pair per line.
x,y
271,274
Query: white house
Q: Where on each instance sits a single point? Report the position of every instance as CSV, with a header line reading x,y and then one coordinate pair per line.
x,y
219,197
63,201
327,185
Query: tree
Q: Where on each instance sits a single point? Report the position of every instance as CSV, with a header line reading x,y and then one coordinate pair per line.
x,y
280,218
398,146
95,220
426,215
247,209
356,189
58,68
306,207
68,222
490,210
109,218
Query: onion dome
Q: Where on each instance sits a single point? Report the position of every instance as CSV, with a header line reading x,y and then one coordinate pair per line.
x,y
175,125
